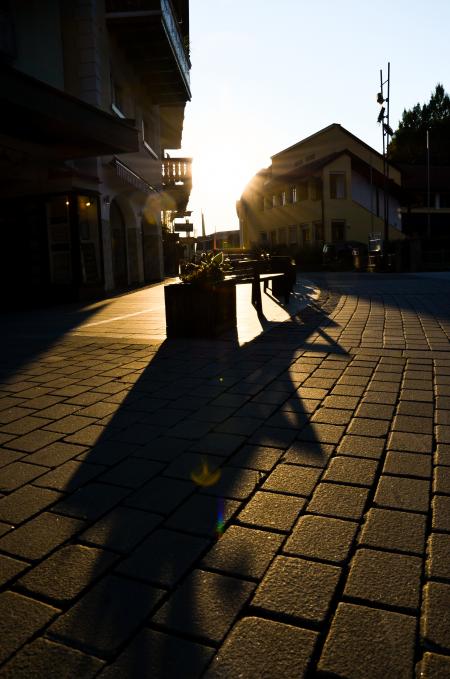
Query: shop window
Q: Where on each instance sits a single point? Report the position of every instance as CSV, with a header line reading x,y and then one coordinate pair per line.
x,y
337,230
89,240
274,201
293,194
283,198
263,237
282,235
59,240
337,185
273,237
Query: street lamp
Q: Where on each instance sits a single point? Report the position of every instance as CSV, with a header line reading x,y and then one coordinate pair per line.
x,y
383,119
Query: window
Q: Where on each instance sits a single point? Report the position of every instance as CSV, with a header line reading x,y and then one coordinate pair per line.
x,y
306,234
316,190
263,236
283,198
117,102
293,194
303,191
337,230
337,184
293,235
274,201
273,237
282,235
319,233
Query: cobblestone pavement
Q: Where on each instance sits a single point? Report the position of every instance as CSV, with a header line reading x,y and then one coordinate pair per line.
x,y
279,508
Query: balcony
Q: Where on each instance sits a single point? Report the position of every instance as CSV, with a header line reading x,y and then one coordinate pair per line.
x,y
177,181
149,32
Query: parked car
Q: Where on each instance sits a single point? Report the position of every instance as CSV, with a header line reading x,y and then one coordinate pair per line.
x,y
342,255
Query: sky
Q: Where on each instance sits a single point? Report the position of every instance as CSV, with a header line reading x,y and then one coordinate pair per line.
x,y
265,75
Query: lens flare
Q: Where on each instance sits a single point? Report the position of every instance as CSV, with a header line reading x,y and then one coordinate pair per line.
x,y
220,524
205,476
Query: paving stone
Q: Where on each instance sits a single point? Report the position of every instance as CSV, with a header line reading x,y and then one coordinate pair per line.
x,y
18,474
331,416
121,529
160,495
279,591
435,621
89,436
66,573
413,424
20,619
361,446
132,472
244,552
107,616
258,648
216,443
380,397
256,457
24,426
69,476
10,569
45,658
441,513
234,483
273,437
367,642
442,455
321,538
325,433
15,413
415,408
37,537
332,499
393,530
433,666
55,454
407,464
341,402
419,443
441,481
272,510
34,440
159,655
442,417
347,390
385,578
376,411
218,601
108,453
303,406
163,557
203,515
9,456
351,470
416,395
438,562
91,501
292,479
25,502
398,492
361,426
310,454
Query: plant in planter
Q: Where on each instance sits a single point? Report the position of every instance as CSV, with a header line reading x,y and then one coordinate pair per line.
x,y
204,303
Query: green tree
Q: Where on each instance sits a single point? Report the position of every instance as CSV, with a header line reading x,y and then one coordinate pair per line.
x,y
409,143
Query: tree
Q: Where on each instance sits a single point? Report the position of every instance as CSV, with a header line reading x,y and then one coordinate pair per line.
x,y
409,143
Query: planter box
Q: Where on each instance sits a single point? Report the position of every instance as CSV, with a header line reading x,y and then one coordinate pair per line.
x,y
200,312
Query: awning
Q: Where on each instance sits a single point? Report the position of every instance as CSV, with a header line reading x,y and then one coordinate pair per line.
x,y
33,112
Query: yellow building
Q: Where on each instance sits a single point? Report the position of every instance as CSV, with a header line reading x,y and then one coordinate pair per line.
x,y
328,187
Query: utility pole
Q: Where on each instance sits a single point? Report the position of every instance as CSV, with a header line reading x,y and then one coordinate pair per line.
x,y
428,186
387,131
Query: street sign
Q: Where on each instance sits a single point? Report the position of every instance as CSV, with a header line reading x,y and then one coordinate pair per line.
x,y
184,227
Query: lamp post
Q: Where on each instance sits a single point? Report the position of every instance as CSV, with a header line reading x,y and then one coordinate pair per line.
x,y
383,118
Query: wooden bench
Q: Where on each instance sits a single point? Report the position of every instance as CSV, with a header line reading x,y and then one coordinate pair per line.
x,y
250,272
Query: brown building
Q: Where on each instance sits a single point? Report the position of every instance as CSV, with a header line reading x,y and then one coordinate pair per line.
x,y
92,93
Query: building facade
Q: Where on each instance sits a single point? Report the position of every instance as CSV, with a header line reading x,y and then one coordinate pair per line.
x,y
93,92
328,187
